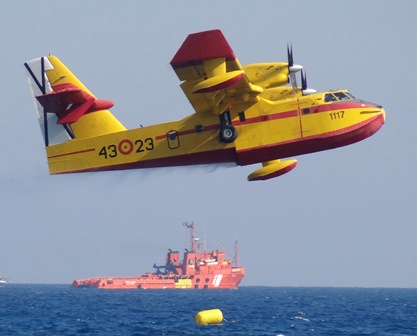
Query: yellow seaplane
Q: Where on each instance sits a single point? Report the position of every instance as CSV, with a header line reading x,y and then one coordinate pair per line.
x,y
244,115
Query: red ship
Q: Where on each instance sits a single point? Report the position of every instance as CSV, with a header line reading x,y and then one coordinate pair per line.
x,y
198,269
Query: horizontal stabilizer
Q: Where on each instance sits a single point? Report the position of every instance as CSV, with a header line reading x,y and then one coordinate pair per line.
x,y
70,103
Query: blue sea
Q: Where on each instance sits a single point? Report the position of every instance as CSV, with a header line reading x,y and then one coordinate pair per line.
x,y
284,311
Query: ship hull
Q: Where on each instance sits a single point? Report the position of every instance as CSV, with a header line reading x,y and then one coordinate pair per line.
x,y
202,281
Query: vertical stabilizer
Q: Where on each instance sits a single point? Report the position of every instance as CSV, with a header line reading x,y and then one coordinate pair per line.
x,y
66,108
39,85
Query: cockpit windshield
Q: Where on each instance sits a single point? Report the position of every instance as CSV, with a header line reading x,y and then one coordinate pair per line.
x,y
338,96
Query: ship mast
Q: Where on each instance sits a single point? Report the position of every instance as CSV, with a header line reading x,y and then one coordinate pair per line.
x,y
236,254
190,225
196,243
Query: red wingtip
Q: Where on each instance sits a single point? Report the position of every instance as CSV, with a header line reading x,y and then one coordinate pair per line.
x,y
202,46
101,104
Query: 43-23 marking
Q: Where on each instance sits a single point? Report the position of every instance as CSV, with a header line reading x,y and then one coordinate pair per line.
x,y
125,147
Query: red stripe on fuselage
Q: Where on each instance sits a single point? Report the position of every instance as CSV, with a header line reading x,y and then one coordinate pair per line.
x,y
337,106
190,131
276,116
227,155
72,153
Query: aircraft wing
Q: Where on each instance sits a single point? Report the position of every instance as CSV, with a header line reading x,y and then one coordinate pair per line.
x,y
212,76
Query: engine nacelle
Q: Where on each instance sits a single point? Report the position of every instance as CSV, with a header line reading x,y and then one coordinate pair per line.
x,y
272,169
267,75
219,82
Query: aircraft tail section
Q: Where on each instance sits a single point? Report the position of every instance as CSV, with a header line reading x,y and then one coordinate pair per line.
x,y
66,108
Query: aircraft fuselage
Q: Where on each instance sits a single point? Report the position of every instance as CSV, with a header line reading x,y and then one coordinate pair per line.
x,y
267,130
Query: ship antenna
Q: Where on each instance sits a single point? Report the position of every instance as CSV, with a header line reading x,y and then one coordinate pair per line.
x,y
190,225
236,254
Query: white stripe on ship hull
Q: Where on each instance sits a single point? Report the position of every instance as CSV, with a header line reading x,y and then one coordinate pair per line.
x,y
217,279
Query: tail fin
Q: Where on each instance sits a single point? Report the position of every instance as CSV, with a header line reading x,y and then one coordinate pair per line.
x,y
65,106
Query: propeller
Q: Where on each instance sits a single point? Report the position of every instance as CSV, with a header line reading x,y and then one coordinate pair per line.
x,y
292,68
304,88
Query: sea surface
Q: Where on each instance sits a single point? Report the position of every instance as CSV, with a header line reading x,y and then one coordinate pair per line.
x,y
61,310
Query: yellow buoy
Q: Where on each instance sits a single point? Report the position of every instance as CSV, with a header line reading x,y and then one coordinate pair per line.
x,y
211,316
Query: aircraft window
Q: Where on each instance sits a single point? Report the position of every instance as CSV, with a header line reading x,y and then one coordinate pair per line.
x,y
198,129
173,139
349,95
172,135
329,98
342,96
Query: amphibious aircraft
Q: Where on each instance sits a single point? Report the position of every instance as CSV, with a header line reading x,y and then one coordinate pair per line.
x,y
243,115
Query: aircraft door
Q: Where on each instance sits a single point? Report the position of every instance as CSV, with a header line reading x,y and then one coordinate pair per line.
x,y
300,117
305,113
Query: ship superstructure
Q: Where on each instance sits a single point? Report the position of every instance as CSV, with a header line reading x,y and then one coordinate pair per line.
x,y
198,269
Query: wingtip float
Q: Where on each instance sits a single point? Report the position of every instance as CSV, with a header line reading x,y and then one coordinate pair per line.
x,y
248,114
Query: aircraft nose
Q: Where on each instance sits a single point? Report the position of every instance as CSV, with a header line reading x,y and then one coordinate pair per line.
x,y
383,113
381,109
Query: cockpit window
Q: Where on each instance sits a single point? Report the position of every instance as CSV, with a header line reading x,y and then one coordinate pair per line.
x,y
329,98
341,96
337,96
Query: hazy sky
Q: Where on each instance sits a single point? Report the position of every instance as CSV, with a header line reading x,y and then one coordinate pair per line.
x,y
345,217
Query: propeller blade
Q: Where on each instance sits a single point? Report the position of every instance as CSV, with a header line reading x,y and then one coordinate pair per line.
x,y
292,68
303,80
304,88
290,56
